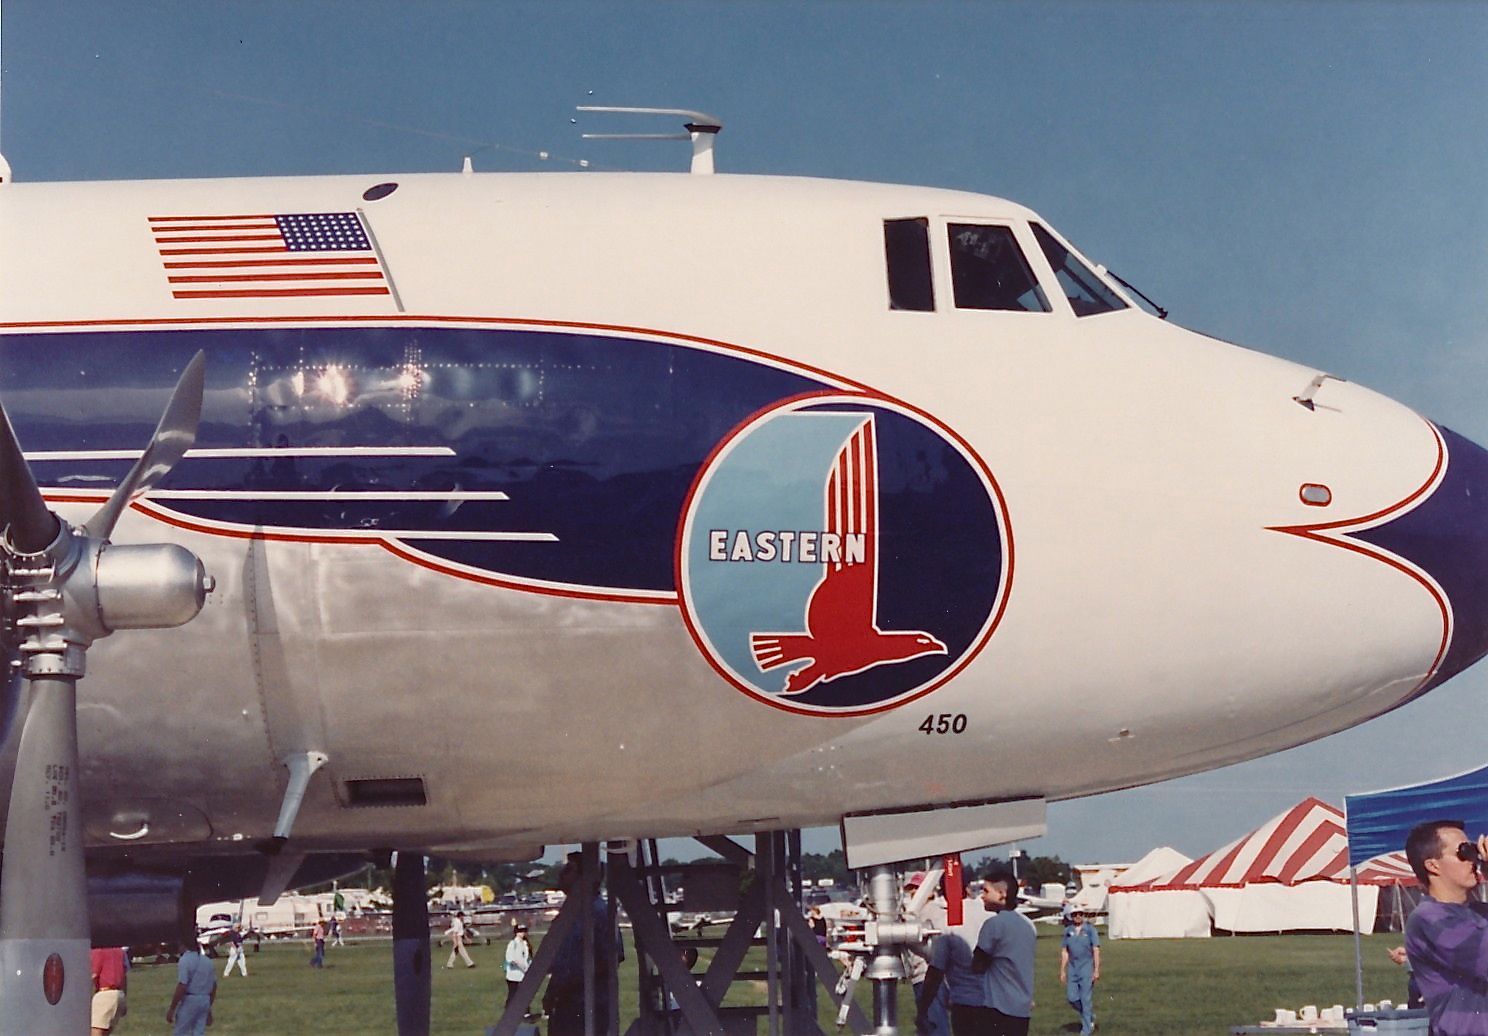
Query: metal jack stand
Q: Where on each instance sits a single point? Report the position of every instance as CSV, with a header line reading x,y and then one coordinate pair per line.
x,y
885,938
887,967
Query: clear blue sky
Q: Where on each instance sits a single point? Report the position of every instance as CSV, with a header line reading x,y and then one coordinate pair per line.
x,y
1306,178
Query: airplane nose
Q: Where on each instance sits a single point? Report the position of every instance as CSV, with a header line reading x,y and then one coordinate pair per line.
x,y
1445,537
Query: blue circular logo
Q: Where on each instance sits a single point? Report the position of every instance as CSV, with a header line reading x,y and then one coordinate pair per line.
x,y
842,555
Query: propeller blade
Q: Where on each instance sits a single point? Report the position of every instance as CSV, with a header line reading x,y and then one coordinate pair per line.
x,y
30,523
44,936
45,981
173,437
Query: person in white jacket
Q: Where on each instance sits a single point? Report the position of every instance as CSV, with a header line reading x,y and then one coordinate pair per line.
x,y
456,933
518,960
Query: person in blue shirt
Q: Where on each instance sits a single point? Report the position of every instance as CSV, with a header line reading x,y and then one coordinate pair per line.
x,y
1004,958
190,1010
1079,968
950,968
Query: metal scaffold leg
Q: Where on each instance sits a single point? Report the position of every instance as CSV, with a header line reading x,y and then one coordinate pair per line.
x,y
767,919
674,1001
578,909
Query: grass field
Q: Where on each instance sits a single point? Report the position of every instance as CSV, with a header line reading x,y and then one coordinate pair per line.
x,y
1149,988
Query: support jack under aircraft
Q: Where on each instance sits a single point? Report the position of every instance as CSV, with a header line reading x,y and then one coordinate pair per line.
x,y
497,511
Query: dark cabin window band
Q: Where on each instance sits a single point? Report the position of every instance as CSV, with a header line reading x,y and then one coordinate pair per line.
x,y
378,191
907,251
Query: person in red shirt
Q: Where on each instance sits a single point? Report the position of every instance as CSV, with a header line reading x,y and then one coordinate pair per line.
x,y
110,975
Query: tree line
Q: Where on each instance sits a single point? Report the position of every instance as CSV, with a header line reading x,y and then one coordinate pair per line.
x,y
536,876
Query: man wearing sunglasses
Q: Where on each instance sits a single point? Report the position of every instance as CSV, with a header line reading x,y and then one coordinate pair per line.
x,y
1446,937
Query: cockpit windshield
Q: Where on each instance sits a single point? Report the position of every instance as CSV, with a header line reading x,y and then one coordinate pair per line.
x,y
1086,294
988,270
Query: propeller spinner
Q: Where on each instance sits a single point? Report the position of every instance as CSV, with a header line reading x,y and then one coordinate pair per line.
x,y
69,587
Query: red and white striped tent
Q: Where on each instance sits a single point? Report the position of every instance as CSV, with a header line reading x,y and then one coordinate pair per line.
x,y
1290,874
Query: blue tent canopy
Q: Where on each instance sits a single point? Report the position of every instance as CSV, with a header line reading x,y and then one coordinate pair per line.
x,y
1378,821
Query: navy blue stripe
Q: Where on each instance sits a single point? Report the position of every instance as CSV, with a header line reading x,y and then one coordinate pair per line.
x,y
595,439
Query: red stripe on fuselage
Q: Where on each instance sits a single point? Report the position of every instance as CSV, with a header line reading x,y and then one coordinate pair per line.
x,y
275,293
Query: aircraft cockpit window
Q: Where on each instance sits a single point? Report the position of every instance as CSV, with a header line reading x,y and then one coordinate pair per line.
x,y
989,271
1086,294
907,252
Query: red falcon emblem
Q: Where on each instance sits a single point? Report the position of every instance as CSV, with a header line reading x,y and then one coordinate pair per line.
x,y
842,635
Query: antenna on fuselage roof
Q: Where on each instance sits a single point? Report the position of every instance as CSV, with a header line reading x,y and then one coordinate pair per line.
x,y
701,128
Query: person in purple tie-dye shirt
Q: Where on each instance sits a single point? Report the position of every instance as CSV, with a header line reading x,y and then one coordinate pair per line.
x,y
1446,937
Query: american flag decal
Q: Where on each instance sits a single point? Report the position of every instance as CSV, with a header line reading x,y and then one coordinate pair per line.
x,y
264,257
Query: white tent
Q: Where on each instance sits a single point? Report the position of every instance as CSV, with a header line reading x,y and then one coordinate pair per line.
x,y
1135,911
1094,879
1289,875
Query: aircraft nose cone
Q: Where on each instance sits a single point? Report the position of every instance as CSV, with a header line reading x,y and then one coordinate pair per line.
x,y
1446,538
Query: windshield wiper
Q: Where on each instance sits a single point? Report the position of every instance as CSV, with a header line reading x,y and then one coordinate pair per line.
x,y
1129,286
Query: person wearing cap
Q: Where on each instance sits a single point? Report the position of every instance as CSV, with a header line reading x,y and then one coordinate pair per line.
x,y
1446,938
190,1010
518,960
1079,967
934,1007
456,933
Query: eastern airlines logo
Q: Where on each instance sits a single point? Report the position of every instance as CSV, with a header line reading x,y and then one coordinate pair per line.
x,y
842,555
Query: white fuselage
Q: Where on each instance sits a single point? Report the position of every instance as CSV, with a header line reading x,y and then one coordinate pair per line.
x,y
1157,617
